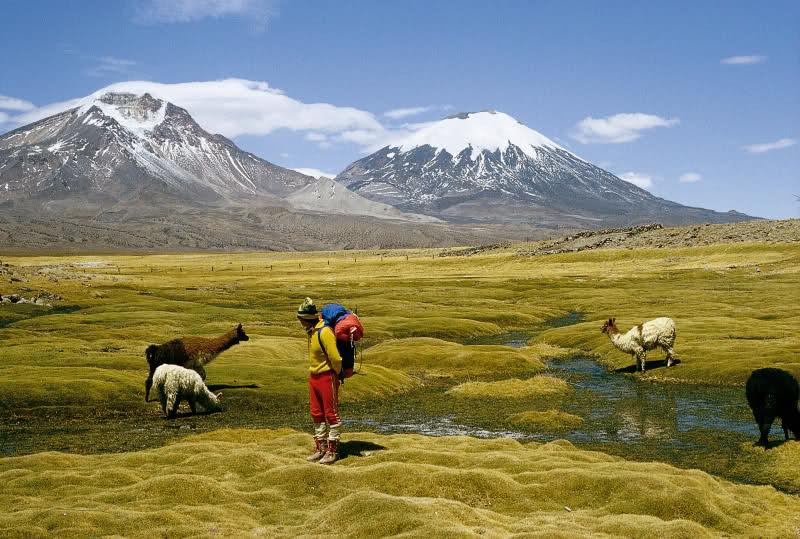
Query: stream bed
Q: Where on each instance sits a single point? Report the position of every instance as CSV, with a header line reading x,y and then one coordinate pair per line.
x,y
687,425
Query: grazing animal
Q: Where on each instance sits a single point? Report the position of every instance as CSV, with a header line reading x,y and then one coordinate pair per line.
x,y
639,339
189,352
174,383
773,393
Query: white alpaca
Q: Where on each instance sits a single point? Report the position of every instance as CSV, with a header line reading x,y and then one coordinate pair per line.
x,y
174,383
659,332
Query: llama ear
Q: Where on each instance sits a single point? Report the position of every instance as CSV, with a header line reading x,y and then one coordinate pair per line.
x,y
613,320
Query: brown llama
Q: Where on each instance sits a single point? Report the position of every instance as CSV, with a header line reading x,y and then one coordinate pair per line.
x,y
189,352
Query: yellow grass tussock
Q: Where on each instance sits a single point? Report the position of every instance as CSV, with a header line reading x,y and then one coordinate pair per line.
x,y
436,357
514,388
255,482
548,421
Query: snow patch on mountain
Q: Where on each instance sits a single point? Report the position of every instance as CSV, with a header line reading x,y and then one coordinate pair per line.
x,y
138,114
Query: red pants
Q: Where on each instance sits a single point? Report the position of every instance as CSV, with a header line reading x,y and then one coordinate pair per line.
x,y
323,392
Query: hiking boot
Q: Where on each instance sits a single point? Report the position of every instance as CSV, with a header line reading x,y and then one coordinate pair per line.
x,y
319,451
330,454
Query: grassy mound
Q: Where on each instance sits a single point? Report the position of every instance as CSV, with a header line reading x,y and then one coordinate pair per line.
x,y
730,309
549,421
777,465
251,482
436,357
386,327
514,388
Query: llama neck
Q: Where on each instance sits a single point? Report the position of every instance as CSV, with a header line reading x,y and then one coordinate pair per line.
x,y
220,344
616,337
624,343
613,333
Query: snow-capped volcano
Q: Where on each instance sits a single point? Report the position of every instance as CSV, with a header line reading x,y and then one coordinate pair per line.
x,y
479,131
119,146
487,166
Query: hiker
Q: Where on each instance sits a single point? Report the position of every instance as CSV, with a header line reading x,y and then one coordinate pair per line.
x,y
323,383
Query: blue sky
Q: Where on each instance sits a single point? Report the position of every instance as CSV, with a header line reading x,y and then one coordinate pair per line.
x,y
657,93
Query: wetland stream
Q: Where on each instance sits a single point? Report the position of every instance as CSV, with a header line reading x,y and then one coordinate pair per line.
x,y
686,425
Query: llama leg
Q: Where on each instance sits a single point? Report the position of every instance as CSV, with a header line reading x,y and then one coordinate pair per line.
x,y
172,406
641,356
192,406
670,356
764,424
163,399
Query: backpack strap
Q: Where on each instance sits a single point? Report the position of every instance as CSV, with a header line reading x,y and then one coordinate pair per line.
x,y
319,338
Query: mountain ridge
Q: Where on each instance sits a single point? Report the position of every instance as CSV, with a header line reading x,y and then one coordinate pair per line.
x,y
126,149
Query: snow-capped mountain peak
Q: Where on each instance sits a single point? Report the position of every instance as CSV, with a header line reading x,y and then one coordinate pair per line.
x,y
487,166
479,131
116,145
138,114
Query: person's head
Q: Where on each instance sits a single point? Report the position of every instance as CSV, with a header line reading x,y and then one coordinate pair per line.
x,y
307,314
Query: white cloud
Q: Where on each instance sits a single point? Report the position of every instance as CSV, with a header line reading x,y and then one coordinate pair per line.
x,y
618,128
316,137
12,103
397,114
690,177
744,60
769,146
234,107
180,11
368,138
314,172
109,65
3,117
640,180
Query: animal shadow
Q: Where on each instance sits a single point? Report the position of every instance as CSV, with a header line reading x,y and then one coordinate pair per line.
x,y
218,387
631,369
356,448
188,414
772,444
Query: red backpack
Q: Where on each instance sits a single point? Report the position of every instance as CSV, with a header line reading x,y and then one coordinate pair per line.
x,y
348,330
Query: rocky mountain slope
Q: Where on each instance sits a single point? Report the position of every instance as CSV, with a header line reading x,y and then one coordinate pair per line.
x,y
486,166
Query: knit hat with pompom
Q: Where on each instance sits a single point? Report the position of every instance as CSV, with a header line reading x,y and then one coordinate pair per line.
x,y
307,310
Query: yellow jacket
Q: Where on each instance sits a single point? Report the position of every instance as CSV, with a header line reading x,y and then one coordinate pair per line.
x,y
319,362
